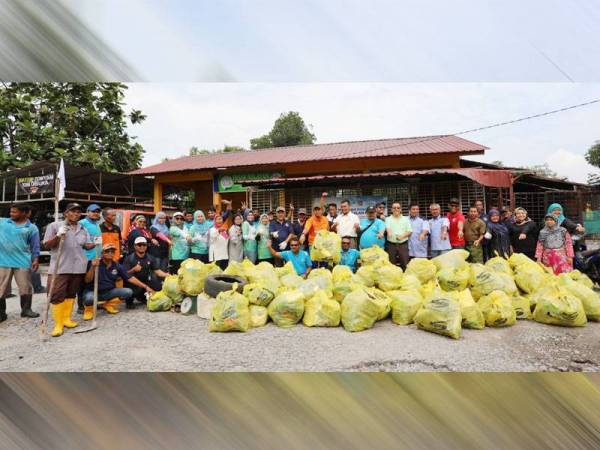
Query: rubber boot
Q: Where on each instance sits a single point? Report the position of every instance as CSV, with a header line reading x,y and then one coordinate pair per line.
x,y
88,312
2,309
26,307
68,312
109,306
58,316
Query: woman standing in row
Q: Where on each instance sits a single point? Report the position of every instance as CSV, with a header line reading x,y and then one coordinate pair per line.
x,y
523,234
262,237
249,236
218,243
236,243
199,233
555,246
497,236
180,250
160,233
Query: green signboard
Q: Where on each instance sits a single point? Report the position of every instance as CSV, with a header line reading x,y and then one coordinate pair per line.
x,y
591,222
232,182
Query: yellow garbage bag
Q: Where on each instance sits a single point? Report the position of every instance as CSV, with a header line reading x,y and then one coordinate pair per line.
x,y
366,275
517,259
559,307
581,278
388,277
258,316
321,311
589,298
321,272
410,281
454,258
488,281
373,255
425,289
382,300
522,307
287,308
192,275
453,279
323,279
258,295
499,264
472,317
440,314
530,277
359,310
171,288
423,268
327,247
287,269
159,301
230,312
342,279
341,273
236,269
405,305
497,309
291,281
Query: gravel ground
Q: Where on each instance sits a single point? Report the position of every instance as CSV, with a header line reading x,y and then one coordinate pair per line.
x,y
137,340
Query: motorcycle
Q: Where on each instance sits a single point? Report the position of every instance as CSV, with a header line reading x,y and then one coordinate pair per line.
x,y
588,262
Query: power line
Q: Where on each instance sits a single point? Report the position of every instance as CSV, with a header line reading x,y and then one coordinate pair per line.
x,y
473,130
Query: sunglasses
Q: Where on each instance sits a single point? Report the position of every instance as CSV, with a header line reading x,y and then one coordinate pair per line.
x,y
345,242
110,250
141,245
178,218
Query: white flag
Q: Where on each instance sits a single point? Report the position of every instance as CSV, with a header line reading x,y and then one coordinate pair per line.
x,y
62,181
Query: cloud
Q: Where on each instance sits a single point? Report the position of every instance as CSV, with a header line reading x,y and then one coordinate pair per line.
x,y
571,165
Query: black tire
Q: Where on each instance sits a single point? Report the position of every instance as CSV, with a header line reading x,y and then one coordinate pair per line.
x,y
221,283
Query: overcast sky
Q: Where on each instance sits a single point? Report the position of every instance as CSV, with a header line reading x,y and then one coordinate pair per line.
x,y
211,115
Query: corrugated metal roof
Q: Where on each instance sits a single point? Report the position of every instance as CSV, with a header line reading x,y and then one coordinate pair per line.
x,y
425,145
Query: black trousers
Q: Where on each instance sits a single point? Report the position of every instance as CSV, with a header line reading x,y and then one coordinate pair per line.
x,y
139,293
200,257
398,253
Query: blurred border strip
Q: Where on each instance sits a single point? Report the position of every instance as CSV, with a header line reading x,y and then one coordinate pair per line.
x,y
41,40
299,410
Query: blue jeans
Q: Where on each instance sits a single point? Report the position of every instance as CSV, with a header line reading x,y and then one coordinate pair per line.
x,y
435,253
122,293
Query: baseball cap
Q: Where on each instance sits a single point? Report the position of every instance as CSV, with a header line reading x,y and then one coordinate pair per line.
x,y
140,240
94,207
72,206
280,208
106,247
178,213
302,211
454,201
370,209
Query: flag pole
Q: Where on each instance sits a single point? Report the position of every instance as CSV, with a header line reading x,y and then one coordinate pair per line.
x,y
56,189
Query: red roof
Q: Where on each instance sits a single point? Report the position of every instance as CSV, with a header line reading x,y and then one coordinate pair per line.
x,y
426,145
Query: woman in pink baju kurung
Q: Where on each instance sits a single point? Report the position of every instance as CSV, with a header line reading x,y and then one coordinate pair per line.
x,y
555,247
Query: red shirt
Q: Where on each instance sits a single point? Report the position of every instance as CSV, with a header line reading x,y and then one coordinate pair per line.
x,y
454,220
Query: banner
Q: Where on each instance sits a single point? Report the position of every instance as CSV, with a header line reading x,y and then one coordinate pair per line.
x,y
40,184
358,203
231,182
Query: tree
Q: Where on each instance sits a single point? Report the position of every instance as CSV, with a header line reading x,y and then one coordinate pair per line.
x,y
592,156
544,170
195,151
289,129
84,123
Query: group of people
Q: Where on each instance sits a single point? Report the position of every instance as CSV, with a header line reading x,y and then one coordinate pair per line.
x,y
91,246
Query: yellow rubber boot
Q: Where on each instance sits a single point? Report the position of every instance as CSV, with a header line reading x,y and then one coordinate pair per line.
x,y
109,305
58,316
68,311
88,312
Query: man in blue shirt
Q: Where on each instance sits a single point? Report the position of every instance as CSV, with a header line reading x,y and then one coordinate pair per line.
x,y
417,243
349,256
91,223
108,274
372,230
17,234
299,258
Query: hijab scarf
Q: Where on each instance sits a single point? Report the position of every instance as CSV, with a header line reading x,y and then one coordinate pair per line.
x,y
162,228
560,218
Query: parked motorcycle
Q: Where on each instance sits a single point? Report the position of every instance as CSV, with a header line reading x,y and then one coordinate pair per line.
x,y
588,262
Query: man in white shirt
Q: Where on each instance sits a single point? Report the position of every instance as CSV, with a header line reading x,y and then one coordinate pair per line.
x,y
347,224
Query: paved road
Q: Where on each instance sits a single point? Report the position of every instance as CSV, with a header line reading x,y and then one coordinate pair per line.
x,y
141,341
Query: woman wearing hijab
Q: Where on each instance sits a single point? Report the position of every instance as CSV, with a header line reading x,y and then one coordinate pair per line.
x,y
218,243
523,234
497,236
160,233
199,233
555,246
249,236
236,244
139,229
181,240
575,229
262,238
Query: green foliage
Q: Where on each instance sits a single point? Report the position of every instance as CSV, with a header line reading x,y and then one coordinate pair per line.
x,y
289,129
195,151
84,123
592,156
544,170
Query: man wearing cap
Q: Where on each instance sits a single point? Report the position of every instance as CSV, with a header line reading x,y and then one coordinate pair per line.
x,y
298,226
17,259
300,259
372,230
347,223
280,230
91,223
380,210
65,278
108,274
145,268
348,256
457,223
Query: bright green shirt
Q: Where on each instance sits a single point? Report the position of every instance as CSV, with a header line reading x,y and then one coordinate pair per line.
x,y
249,235
263,236
180,249
396,226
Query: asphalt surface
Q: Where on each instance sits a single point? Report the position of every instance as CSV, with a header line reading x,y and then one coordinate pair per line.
x,y
137,340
